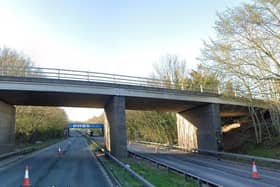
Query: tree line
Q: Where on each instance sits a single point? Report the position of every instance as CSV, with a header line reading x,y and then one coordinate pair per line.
x,y
32,123
39,123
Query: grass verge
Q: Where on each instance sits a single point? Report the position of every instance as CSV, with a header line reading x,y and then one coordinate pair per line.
x,y
114,170
268,149
159,177
34,147
123,177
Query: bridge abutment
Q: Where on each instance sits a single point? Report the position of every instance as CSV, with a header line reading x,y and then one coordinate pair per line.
x,y
7,127
200,127
115,131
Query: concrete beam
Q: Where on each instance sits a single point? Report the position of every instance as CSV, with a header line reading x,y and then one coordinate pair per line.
x,y
200,127
51,92
115,131
7,127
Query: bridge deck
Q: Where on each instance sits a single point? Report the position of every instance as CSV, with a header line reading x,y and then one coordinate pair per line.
x,y
54,92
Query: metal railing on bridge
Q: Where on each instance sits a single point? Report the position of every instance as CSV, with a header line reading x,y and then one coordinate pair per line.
x,y
64,74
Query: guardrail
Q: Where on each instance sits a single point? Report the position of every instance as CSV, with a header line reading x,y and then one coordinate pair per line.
x,y
139,178
64,74
129,170
249,157
216,153
168,146
23,151
201,182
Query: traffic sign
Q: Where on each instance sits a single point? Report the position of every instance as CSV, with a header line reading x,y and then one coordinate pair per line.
x,y
86,125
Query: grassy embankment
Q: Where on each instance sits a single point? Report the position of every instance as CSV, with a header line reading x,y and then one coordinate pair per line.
x,y
37,146
267,149
157,176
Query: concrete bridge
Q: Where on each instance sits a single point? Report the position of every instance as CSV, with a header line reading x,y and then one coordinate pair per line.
x,y
201,108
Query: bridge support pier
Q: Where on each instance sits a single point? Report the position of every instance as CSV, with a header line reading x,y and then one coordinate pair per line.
x,y
115,131
200,127
7,127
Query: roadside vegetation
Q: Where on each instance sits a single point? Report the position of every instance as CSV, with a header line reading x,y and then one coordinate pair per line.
x,y
96,119
151,126
159,177
269,148
123,177
33,124
39,124
112,168
27,148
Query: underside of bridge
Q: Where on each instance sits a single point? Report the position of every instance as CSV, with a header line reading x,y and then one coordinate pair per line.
x,y
199,124
36,98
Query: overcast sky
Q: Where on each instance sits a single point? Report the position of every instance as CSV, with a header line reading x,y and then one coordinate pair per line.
x,y
123,37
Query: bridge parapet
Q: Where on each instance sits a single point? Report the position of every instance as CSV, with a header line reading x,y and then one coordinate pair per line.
x,y
87,76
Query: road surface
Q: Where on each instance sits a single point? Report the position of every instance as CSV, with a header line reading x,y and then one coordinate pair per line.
x,y
76,167
228,174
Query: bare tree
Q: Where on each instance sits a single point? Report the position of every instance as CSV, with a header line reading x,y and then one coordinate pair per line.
x,y
13,63
171,70
247,47
246,52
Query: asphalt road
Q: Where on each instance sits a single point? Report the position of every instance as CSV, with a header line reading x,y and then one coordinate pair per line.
x,y
76,167
228,174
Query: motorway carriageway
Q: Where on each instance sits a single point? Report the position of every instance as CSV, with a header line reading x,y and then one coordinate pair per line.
x,y
228,174
77,167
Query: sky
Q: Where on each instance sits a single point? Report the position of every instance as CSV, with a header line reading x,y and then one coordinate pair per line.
x,y
123,37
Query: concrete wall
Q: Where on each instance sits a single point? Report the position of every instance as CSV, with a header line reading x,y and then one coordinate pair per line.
x,y
200,127
187,136
115,131
7,127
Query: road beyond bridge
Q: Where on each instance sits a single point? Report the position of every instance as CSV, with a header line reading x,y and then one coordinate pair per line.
x,y
197,107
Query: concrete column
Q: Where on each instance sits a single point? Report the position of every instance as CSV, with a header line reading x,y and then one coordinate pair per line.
x,y
115,131
7,127
200,127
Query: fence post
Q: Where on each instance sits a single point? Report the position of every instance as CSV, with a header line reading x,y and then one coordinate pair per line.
x,y
186,177
219,91
199,183
88,75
